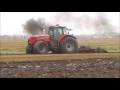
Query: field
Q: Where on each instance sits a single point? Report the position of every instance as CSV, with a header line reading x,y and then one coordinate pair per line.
x,y
15,63
9,46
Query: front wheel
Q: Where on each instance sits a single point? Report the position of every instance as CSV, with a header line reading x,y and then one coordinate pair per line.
x,y
41,47
29,49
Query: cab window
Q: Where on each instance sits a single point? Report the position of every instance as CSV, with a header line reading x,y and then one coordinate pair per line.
x,y
51,32
57,32
65,30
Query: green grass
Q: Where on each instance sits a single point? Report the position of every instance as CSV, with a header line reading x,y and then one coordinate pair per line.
x,y
112,48
12,50
19,45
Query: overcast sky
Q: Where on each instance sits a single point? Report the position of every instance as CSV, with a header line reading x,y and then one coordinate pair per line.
x,y
11,22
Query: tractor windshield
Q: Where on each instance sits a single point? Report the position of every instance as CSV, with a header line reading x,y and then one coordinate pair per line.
x,y
51,32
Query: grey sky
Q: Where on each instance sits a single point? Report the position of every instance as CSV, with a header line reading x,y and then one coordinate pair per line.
x,y
11,22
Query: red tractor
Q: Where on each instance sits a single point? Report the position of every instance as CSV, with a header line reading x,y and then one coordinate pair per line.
x,y
58,40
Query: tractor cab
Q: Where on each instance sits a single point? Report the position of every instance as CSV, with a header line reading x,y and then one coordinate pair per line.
x,y
56,31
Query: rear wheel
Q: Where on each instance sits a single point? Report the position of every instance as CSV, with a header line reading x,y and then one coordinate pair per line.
x,y
68,45
41,47
29,49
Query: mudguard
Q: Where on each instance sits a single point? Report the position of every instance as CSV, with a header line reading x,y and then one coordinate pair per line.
x,y
63,36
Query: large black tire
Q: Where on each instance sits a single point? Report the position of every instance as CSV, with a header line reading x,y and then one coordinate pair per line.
x,y
29,49
69,45
41,47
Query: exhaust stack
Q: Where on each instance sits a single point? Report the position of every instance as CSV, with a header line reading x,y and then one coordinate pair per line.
x,y
43,31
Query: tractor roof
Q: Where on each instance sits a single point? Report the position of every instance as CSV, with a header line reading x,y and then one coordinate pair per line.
x,y
57,26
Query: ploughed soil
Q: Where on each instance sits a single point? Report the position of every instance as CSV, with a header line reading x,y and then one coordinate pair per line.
x,y
83,68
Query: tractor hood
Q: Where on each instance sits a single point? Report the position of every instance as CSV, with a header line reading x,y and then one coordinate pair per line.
x,y
39,36
34,38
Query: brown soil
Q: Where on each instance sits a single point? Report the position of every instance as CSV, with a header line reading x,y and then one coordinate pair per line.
x,y
83,68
